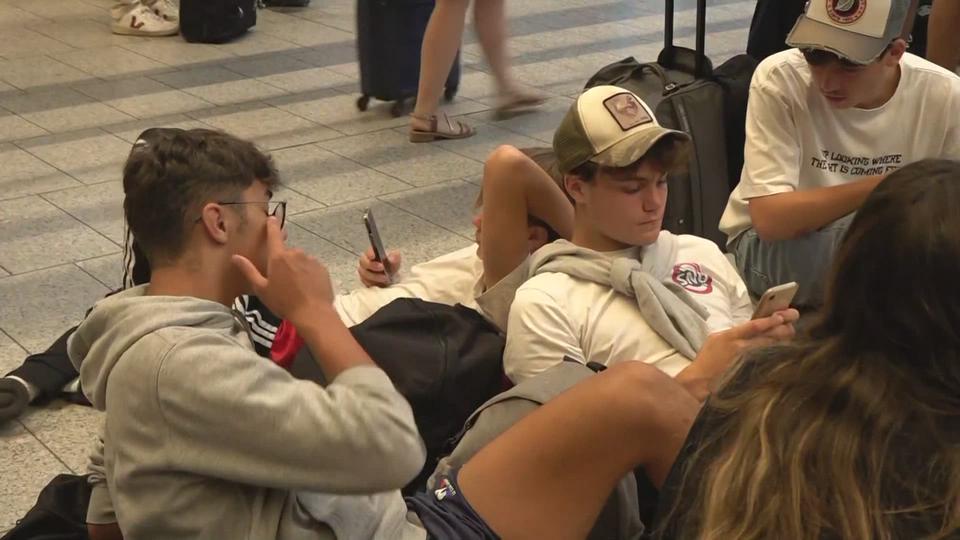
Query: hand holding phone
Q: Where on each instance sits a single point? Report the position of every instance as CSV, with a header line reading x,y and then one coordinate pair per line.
x,y
776,299
376,243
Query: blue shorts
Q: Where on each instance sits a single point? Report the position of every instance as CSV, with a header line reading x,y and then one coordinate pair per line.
x,y
447,515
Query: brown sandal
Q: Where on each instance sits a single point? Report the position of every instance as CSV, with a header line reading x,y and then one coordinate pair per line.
x,y
451,130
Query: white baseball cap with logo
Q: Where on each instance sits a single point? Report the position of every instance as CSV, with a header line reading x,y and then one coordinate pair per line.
x,y
857,30
610,126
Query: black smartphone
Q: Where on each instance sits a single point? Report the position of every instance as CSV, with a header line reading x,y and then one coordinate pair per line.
x,y
379,253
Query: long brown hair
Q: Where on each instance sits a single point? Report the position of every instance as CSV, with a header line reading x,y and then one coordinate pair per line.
x,y
854,432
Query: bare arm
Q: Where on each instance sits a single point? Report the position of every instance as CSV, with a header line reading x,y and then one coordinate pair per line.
x,y
723,349
513,188
943,39
784,216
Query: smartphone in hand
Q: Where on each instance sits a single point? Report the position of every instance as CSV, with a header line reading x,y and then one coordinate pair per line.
x,y
379,253
776,299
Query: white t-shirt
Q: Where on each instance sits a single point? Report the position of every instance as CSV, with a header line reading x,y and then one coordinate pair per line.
x,y
796,141
554,315
454,278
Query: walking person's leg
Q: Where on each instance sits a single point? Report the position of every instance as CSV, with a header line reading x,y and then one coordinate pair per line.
x,y
490,21
441,42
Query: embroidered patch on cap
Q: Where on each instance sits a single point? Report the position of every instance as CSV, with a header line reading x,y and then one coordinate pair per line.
x,y
846,11
692,278
627,111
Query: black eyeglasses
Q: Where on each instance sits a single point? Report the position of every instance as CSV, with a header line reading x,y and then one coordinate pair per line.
x,y
277,209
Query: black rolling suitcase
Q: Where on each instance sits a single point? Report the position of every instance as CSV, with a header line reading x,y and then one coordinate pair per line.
x,y
686,94
216,21
389,36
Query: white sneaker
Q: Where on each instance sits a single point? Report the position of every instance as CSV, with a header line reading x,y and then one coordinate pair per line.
x,y
140,20
169,10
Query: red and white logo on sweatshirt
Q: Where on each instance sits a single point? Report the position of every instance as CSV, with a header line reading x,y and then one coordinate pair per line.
x,y
692,278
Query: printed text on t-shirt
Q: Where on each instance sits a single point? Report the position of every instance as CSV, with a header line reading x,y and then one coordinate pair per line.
x,y
836,162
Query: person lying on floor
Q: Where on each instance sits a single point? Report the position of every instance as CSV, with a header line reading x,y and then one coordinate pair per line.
x,y
203,439
622,289
530,210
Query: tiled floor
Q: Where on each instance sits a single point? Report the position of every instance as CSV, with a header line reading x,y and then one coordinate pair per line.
x,y
73,97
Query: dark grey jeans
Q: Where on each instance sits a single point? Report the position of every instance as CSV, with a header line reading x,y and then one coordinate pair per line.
x,y
806,260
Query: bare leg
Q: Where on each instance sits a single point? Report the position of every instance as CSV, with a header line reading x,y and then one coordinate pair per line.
x,y
440,44
550,474
489,18
514,187
491,24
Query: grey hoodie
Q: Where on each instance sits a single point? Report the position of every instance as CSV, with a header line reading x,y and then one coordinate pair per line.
x,y
203,438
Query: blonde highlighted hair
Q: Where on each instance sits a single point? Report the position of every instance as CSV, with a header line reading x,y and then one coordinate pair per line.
x,y
854,432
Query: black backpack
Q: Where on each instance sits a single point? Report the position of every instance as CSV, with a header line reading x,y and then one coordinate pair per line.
x,y
446,360
686,94
59,514
216,21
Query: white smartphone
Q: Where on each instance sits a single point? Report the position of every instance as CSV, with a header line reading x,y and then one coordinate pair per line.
x,y
776,299
379,253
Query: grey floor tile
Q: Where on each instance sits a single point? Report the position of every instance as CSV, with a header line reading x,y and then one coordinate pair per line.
x,y
11,354
297,203
14,17
539,124
129,131
25,468
330,178
83,34
40,305
288,73
67,430
450,205
99,206
481,86
219,86
13,128
23,174
265,64
302,32
390,153
35,234
142,97
416,238
26,73
21,42
59,10
268,126
176,52
62,110
488,137
305,80
107,269
340,263
337,110
90,156
111,62
7,89
255,43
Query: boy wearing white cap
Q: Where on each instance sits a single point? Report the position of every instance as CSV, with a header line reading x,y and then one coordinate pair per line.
x,y
622,289
826,122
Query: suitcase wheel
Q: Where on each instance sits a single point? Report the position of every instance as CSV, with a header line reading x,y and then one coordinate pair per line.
x,y
399,108
362,102
450,92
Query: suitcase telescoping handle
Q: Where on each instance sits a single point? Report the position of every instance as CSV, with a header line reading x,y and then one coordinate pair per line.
x,y
669,9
